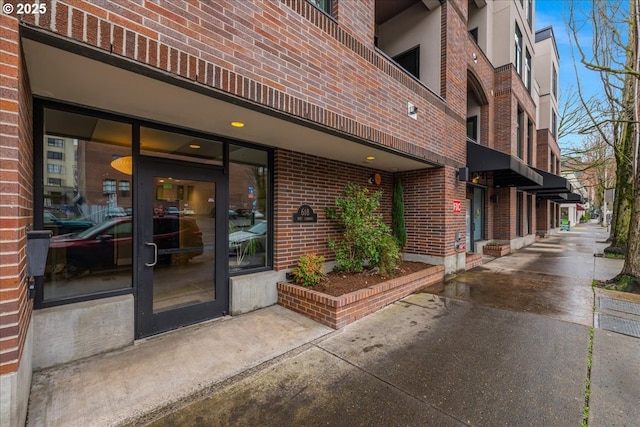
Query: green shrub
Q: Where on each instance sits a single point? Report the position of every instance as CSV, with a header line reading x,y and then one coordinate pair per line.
x,y
310,270
389,255
363,230
397,213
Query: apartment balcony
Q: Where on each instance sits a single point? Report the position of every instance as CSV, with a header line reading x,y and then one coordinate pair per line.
x,y
405,33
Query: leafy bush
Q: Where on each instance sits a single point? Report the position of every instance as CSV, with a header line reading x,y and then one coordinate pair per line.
x,y
310,270
364,232
389,255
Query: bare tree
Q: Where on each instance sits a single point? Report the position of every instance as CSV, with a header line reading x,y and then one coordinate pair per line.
x,y
592,161
614,56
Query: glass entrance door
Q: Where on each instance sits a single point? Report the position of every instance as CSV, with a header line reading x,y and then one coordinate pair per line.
x,y
181,275
478,214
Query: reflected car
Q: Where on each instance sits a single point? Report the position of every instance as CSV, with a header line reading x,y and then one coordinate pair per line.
x,y
65,226
233,214
187,211
115,212
172,210
255,235
257,214
243,213
109,246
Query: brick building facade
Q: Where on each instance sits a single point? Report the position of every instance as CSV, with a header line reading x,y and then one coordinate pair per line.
x,y
324,102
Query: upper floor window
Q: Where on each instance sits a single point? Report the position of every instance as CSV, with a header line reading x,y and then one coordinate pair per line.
x,y
519,133
53,168
410,61
554,82
527,70
474,34
54,181
108,186
472,128
55,142
55,155
529,13
324,5
124,188
529,142
518,50
554,124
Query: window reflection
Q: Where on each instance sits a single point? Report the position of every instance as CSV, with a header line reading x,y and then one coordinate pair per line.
x,y
87,205
249,233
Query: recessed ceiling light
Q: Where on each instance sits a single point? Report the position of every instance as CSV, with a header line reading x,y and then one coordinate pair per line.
x,y
237,124
194,146
371,158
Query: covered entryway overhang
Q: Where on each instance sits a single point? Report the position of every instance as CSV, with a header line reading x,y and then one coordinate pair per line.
x,y
66,71
552,185
508,171
562,197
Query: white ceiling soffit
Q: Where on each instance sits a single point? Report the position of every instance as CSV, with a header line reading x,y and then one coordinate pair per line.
x,y
61,75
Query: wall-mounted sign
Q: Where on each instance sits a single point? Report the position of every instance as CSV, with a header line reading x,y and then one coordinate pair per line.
x,y
457,206
305,214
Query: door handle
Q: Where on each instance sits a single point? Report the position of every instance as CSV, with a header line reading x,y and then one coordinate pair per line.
x,y
155,254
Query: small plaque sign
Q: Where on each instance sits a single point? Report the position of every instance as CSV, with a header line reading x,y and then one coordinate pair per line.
x,y
305,214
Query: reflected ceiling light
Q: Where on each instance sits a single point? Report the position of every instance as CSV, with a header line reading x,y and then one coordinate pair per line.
x,y
371,157
194,146
123,164
161,180
237,124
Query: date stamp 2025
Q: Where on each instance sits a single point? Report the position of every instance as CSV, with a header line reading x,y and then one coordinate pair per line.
x,y
28,8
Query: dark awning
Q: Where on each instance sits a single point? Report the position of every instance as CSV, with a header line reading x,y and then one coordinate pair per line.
x,y
551,184
562,197
508,171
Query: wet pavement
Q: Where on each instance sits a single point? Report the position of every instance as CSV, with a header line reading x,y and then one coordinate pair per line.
x,y
506,343
503,344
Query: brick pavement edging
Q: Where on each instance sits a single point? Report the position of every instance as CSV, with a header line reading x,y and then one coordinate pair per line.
x,y
337,312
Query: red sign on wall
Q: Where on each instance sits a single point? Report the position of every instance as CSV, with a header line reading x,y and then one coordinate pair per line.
x,y
457,206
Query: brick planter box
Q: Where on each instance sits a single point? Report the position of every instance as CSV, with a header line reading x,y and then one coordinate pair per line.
x,y
496,250
337,312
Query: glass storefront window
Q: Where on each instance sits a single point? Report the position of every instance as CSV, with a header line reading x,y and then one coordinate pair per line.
x,y
249,233
91,248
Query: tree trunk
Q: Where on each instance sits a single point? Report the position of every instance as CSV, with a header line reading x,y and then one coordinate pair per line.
x,y
622,201
625,129
630,275
632,259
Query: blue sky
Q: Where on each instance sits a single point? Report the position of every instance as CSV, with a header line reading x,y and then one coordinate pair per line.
x,y
556,14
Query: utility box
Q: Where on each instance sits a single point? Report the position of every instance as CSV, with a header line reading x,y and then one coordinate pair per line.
x,y
37,250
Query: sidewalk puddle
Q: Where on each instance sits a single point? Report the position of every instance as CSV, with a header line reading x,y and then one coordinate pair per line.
x,y
558,297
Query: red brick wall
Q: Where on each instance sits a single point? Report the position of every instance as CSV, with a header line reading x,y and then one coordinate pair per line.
x,y
510,94
358,18
309,180
454,77
504,215
430,221
16,148
546,145
286,55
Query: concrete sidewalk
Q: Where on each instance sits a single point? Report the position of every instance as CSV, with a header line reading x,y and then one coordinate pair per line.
x,y
121,386
504,344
